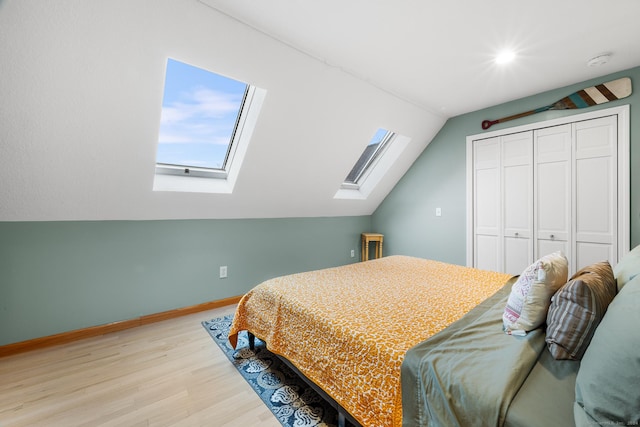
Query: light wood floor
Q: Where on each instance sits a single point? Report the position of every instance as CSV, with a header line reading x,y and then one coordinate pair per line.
x,y
169,373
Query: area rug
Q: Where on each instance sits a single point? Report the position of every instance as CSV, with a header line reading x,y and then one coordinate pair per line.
x,y
289,397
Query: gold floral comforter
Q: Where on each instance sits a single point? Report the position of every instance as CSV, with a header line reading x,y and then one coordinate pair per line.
x,y
348,328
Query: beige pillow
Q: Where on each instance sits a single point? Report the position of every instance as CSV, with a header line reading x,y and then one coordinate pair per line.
x,y
628,267
531,294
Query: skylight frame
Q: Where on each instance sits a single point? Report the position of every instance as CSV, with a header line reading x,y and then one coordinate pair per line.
x,y
216,173
186,170
370,163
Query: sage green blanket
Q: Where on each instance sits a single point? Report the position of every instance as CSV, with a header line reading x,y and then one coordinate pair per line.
x,y
468,374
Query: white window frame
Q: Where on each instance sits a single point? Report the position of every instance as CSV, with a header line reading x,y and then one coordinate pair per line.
x,y
371,162
221,173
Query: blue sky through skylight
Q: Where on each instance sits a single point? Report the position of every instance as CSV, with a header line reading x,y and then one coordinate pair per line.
x,y
379,135
199,114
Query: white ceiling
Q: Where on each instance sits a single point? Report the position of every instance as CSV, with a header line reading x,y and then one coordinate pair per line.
x,y
81,91
440,54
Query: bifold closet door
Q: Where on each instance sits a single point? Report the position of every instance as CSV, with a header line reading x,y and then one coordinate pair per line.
x,y
517,201
576,191
552,188
486,204
503,202
596,201
559,185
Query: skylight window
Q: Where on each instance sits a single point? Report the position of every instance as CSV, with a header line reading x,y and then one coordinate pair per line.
x,y
201,116
377,159
206,124
369,156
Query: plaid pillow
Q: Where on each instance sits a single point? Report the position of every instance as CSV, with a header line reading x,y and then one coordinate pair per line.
x,y
576,310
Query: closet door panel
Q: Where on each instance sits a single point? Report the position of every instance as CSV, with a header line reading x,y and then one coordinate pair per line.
x,y
487,208
594,197
588,253
553,144
552,188
595,191
554,201
547,246
486,204
596,138
517,195
486,253
518,255
517,201
517,184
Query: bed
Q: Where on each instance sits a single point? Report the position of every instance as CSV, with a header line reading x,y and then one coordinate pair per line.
x,y
407,341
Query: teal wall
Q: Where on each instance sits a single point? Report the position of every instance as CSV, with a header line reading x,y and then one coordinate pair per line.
x,y
62,276
438,178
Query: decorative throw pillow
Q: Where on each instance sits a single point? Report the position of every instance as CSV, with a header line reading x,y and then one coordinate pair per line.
x,y
577,309
531,294
607,391
627,268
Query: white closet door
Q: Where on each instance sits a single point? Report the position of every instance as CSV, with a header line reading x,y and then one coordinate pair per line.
x,y
568,192
596,201
517,201
486,204
553,191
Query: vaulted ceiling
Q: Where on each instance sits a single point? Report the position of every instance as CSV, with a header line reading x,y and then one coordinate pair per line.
x,y
81,91
440,55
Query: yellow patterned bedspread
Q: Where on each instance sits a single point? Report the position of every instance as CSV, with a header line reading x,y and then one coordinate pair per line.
x,y
348,328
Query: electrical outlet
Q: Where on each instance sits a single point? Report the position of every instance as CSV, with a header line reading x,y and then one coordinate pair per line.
x,y
223,272
353,253
438,212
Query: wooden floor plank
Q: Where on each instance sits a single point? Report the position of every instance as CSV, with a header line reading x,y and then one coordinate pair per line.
x,y
168,373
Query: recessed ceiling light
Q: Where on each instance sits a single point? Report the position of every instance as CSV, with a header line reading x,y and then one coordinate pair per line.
x,y
505,57
599,60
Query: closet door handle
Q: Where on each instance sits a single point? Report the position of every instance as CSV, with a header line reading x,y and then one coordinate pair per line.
x,y
516,234
552,237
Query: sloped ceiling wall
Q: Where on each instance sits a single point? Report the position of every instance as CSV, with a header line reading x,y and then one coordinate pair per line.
x,y
81,98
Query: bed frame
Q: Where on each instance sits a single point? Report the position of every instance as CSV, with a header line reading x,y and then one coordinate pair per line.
x,y
344,418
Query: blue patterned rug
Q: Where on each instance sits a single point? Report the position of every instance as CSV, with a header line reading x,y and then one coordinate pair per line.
x,y
290,398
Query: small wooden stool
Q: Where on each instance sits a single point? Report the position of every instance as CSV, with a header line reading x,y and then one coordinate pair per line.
x,y
366,239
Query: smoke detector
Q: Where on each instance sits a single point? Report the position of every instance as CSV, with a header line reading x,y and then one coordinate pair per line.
x,y
599,60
